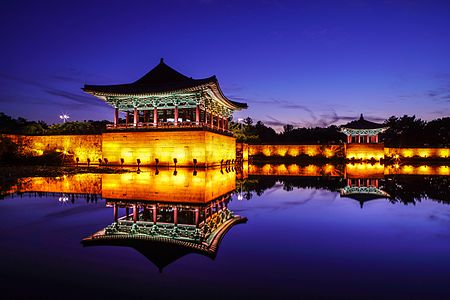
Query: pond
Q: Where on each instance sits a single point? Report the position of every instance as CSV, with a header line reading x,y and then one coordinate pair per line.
x,y
362,231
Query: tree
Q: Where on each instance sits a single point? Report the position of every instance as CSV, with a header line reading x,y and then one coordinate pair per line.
x,y
248,121
287,128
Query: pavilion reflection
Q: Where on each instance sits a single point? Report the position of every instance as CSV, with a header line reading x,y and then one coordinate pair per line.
x,y
165,215
359,181
364,182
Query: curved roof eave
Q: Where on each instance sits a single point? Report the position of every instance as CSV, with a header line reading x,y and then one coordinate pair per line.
x,y
220,95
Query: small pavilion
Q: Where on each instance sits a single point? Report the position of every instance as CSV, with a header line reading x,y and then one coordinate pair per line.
x,y
165,98
362,131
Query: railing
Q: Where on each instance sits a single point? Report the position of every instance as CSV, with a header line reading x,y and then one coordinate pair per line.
x,y
166,125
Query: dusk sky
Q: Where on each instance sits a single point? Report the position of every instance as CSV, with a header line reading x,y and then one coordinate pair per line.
x,y
307,63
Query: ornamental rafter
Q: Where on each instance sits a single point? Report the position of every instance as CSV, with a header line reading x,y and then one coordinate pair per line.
x,y
370,132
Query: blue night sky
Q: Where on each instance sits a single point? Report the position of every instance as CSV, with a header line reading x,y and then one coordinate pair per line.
x,y
305,63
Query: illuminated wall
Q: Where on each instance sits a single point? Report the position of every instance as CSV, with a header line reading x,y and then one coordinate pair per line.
x,y
71,184
81,146
242,151
364,151
364,170
416,170
295,150
207,147
417,152
294,170
184,187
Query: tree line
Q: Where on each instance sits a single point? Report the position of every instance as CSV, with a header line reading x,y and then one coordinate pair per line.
x,y
405,131
26,127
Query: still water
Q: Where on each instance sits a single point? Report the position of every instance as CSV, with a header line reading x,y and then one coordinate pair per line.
x,y
328,232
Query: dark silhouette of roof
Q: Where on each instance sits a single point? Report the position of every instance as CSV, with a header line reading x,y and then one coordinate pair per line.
x,y
363,124
161,79
163,251
363,198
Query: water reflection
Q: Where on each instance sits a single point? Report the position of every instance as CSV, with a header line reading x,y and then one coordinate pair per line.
x,y
305,228
362,182
163,232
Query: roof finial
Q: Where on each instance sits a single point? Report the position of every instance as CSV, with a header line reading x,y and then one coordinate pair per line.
x,y
361,118
161,61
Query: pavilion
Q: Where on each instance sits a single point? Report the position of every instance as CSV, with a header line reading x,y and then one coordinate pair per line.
x,y
362,131
362,139
176,120
166,98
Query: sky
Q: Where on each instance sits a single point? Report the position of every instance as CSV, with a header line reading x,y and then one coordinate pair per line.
x,y
306,63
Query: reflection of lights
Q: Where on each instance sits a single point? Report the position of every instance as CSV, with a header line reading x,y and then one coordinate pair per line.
x,y
63,199
240,197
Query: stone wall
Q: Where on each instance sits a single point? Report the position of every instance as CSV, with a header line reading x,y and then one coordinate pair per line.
x,y
81,146
207,148
417,152
242,151
364,151
296,150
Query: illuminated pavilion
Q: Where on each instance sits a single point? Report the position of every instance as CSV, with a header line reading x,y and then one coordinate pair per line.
x,y
165,98
176,120
362,140
362,131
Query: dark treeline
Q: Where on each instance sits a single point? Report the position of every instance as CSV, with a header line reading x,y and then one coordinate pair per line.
x,y
23,126
403,132
406,131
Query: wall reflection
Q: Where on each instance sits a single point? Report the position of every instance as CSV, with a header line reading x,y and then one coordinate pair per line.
x,y
186,185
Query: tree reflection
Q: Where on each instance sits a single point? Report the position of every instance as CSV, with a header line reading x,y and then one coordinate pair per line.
x,y
400,188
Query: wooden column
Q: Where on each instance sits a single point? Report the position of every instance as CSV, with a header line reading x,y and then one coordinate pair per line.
x,y
136,117
155,214
197,114
155,117
376,138
175,116
196,217
175,215
211,116
116,116
115,213
126,119
349,139
135,213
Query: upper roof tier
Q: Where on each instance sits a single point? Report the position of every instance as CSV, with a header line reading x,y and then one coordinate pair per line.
x,y
363,124
162,79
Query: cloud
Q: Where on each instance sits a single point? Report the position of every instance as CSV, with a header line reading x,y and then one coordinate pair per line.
x,y
81,100
442,93
84,100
